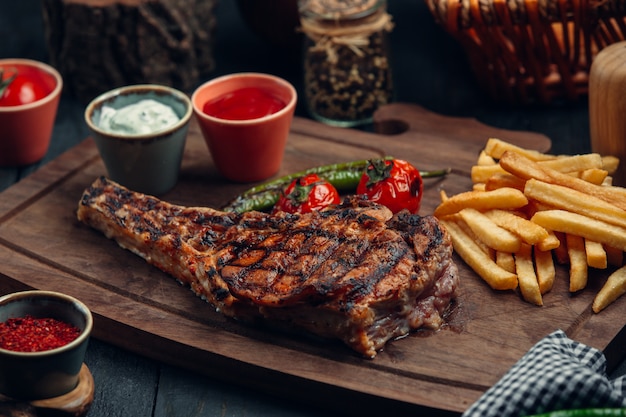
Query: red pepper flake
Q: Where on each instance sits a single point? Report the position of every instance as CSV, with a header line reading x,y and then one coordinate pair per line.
x,y
29,334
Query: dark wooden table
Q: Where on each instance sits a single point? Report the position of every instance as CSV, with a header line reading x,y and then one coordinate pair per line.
x,y
429,69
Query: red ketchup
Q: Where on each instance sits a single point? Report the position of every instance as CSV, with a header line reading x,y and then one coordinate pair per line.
x,y
244,104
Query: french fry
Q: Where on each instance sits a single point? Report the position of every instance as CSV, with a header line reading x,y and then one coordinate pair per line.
x,y
613,288
495,276
528,231
535,206
596,255
546,272
610,163
583,226
484,159
523,167
578,271
505,198
526,169
565,198
506,261
470,233
481,173
575,163
615,190
490,233
496,148
443,195
526,276
594,175
549,243
504,180
529,211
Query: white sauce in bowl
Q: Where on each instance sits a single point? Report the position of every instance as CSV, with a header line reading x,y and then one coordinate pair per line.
x,y
145,116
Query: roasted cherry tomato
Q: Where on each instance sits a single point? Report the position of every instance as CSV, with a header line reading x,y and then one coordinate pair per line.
x,y
23,84
307,194
394,183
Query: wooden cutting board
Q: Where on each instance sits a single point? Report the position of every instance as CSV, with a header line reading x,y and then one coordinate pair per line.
x,y
139,308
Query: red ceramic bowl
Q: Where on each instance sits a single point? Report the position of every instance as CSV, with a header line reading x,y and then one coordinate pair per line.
x,y
27,128
251,149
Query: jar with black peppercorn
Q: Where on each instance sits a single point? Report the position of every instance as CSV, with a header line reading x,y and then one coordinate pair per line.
x,y
347,71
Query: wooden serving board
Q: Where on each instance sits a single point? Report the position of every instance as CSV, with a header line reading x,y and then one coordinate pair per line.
x,y
139,308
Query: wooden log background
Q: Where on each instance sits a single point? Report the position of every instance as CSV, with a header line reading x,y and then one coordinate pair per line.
x,y
98,45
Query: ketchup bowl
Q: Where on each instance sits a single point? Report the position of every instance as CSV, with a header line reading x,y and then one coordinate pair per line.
x,y
245,120
43,340
28,108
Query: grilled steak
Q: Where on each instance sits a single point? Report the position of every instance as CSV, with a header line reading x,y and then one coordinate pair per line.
x,y
352,272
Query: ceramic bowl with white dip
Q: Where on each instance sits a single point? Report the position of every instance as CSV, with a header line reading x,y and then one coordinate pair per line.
x,y
141,131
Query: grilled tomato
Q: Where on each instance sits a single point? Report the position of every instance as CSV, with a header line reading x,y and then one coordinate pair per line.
x,y
306,194
394,183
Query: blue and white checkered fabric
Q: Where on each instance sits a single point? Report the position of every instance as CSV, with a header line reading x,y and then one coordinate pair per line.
x,y
555,374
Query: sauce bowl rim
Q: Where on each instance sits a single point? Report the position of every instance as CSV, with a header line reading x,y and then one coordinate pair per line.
x,y
139,89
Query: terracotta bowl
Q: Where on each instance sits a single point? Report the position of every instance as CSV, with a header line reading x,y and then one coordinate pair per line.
x,y
26,129
252,149
46,373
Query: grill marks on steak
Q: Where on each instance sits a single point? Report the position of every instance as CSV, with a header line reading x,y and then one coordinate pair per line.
x,y
352,272
311,260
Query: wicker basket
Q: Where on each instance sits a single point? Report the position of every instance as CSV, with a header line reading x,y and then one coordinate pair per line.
x,y
525,51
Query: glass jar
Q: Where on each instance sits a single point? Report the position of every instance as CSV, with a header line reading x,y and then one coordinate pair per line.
x,y
347,70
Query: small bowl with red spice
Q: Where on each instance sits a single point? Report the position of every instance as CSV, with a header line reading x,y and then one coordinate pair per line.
x,y
43,340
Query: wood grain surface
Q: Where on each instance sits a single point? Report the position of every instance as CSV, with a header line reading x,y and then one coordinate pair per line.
x,y
142,309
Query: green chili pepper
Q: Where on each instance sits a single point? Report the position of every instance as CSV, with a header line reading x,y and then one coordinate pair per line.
x,y
323,171
343,176
260,201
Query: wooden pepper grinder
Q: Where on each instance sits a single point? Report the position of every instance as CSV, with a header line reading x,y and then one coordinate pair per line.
x,y
607,106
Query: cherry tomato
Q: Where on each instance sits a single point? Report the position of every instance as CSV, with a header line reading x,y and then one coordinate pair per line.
x,y
307,194
23,84
394,183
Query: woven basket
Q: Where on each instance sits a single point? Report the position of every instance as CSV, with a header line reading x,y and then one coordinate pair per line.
x,y
525,51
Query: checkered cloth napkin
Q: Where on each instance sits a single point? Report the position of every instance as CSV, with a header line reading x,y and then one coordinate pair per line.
x,y
555,374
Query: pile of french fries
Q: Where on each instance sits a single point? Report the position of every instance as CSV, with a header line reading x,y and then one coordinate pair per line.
x,y
529,211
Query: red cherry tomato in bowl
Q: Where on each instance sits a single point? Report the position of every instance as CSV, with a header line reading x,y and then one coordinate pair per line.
x,y
306,194
394,183
23,84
